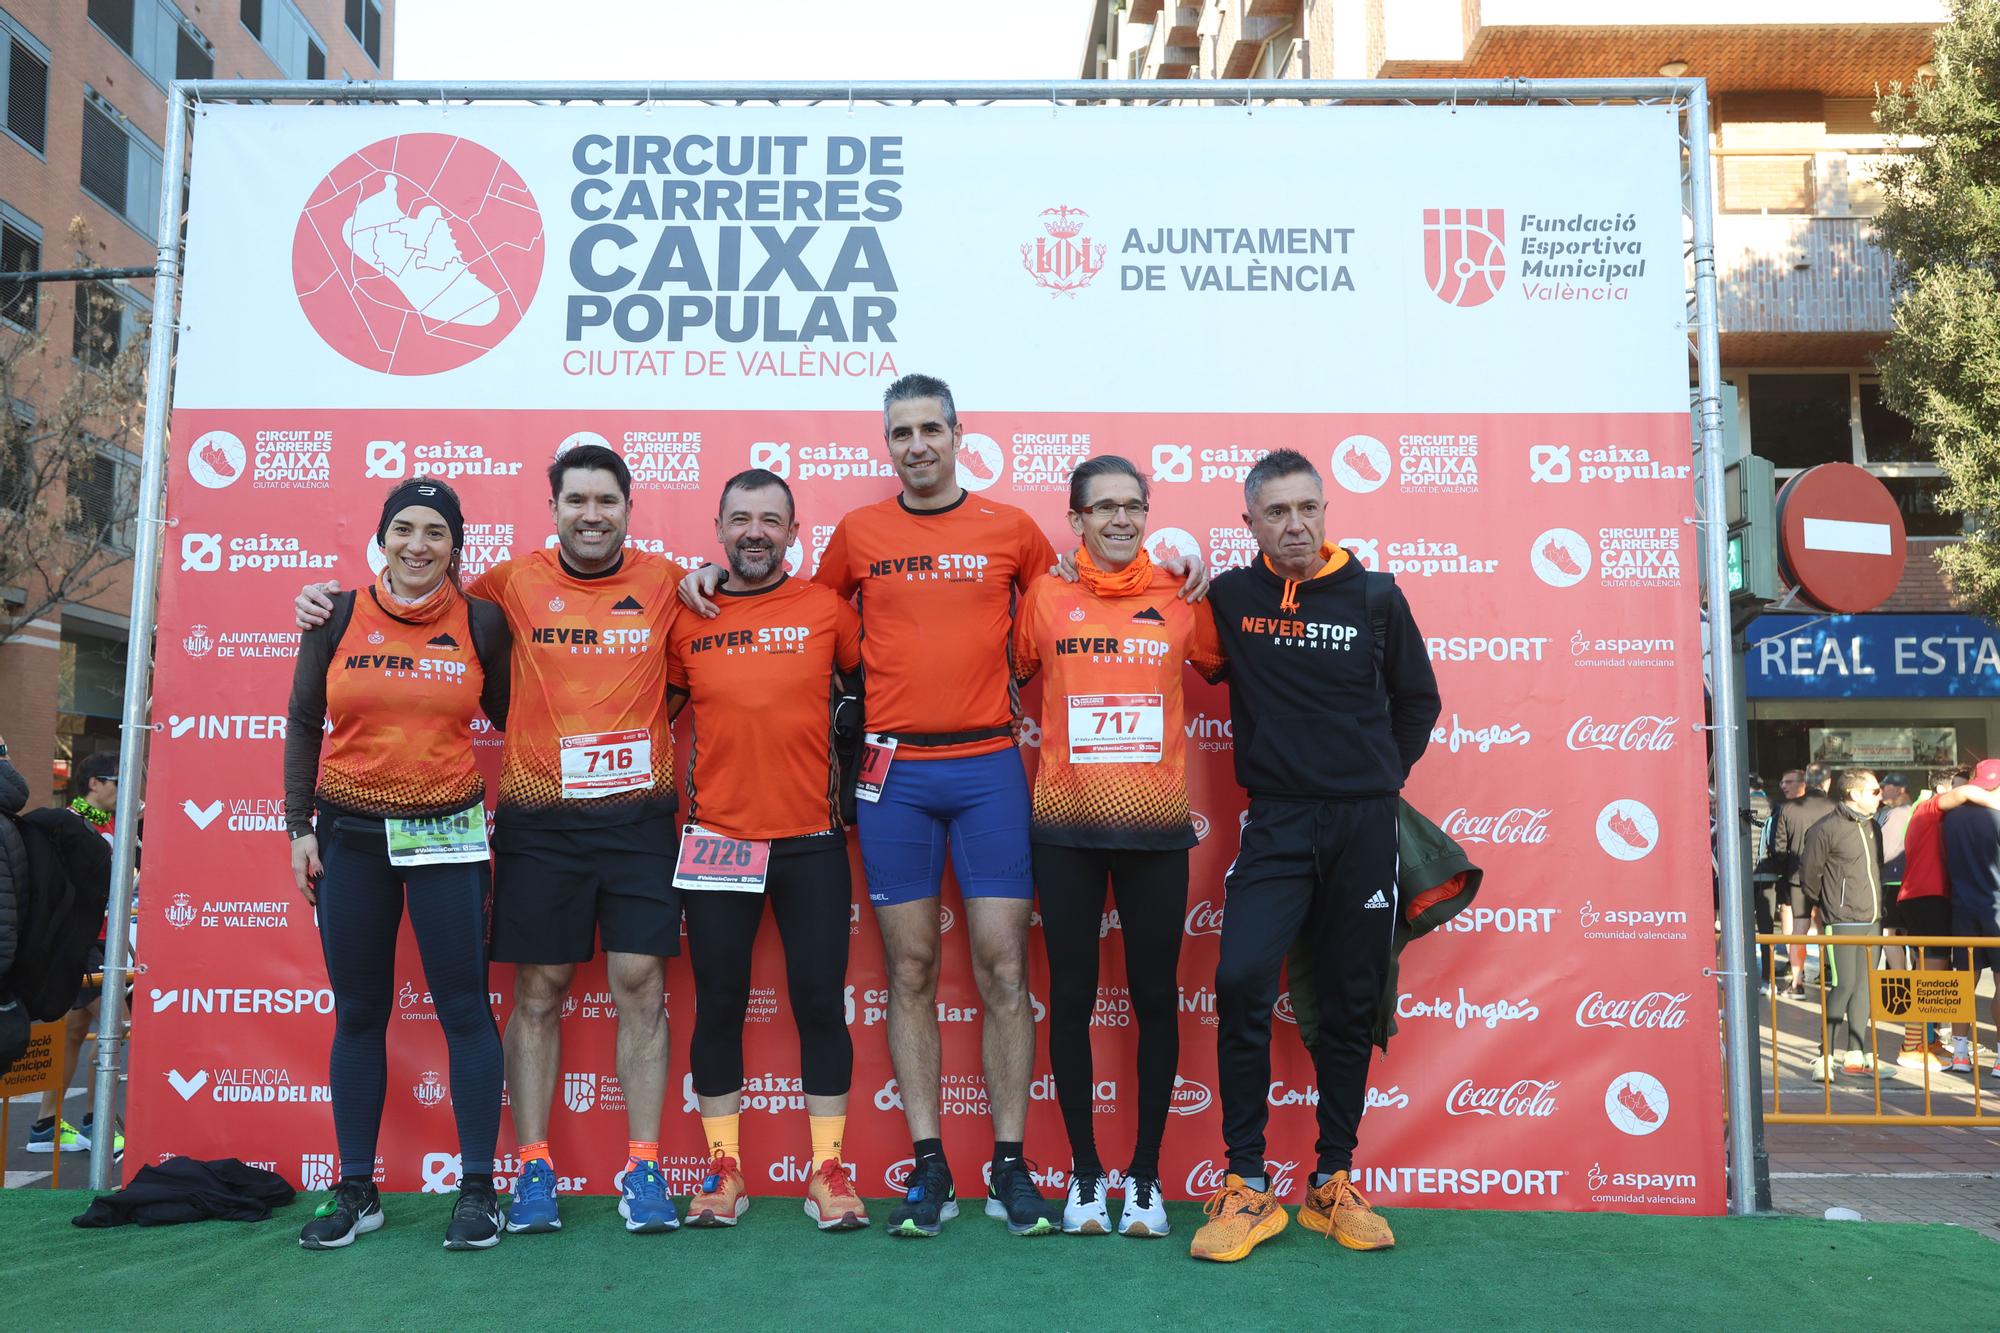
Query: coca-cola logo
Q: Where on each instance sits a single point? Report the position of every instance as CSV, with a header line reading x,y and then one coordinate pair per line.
x,y
1207,1176
1520,826
1527,1098
1658,1010
1204,918
1647,733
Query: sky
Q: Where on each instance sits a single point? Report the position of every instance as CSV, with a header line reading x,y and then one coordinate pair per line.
x,y
739,39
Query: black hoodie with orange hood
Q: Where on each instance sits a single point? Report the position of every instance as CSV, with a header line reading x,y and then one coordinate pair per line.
x,y
1310,718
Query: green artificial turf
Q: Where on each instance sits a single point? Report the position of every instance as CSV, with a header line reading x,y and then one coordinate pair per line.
x,y
1450,1270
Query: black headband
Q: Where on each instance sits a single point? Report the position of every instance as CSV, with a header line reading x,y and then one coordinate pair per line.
x,y
430,494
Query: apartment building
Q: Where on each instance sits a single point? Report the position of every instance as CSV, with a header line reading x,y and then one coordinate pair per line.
x,y
83,86
1806,294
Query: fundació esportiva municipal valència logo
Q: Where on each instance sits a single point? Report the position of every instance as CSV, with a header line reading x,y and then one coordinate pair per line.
x,y
418,254
1465,253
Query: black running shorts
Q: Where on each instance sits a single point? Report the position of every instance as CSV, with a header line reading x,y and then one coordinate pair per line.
x,y
557,894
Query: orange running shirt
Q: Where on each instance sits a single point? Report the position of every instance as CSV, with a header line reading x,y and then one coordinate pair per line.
x,y
402,696
1104,661
759,678
937,599
588,744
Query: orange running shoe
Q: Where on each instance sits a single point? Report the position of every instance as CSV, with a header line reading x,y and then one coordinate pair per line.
x,y
1239,1220
831,1200
1337,1209
722,1198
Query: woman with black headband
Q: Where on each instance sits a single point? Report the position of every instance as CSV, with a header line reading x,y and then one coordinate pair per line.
x,y
400,668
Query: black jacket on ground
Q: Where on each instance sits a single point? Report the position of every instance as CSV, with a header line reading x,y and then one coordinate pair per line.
x,y
1788,833
1840,868
1310,718
181,1189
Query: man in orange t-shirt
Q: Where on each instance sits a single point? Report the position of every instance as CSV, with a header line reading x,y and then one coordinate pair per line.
x,y
585,836
936,570
764,823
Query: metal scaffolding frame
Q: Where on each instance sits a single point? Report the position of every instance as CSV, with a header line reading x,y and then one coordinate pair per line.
x,y
1688,96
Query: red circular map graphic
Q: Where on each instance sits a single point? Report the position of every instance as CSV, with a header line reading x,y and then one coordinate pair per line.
x,y
418,254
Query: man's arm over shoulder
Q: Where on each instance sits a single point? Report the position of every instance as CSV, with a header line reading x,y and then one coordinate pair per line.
x,y
1414,703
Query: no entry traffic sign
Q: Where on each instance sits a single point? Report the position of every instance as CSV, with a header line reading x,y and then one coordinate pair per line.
x,y
1840,538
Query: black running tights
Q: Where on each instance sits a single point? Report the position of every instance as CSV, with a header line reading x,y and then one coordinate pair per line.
x,y
1150,889
361,900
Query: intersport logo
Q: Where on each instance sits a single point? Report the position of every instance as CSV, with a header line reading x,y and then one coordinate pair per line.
x,y
1648,733
1522,826
1465,254
418,254
1526,1099
1654,1011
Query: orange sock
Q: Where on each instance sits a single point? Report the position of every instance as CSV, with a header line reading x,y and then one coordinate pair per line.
x,y
640,1151
538,1151
826,1135
722,1132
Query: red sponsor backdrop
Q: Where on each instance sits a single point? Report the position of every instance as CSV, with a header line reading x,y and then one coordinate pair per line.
x,y
1558,1044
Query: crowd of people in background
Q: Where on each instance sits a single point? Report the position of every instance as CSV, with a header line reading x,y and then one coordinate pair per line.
x,y
1849,853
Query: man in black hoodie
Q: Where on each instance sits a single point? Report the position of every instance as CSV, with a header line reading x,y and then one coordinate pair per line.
x,y
1806,804
1324,742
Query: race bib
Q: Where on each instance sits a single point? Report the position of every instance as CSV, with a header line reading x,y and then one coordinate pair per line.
x,y
717,861
445,840
1116,728
877,752
605,763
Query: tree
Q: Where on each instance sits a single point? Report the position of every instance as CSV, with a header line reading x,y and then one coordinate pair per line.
x,y
68,491
1941,224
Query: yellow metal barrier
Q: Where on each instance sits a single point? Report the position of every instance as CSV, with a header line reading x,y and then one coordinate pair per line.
x,y
1913,996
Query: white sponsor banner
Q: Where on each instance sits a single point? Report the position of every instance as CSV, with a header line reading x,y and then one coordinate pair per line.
x,y
1496,259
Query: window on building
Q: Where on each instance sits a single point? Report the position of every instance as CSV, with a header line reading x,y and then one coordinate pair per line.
x,y
292,43
1885,433
101,489
161,40
364,20
1799,420
1767,184
17,460
20,251
90,696
107,319
24,85
121,167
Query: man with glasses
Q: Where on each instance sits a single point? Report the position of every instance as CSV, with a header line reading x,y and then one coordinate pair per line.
x,y
1840,875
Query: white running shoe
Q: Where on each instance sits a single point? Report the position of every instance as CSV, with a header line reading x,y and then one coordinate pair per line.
x,y
1142,1215
1084,1213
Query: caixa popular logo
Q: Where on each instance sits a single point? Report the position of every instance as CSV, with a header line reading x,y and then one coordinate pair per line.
x,y
1465,254
418,254
1064,261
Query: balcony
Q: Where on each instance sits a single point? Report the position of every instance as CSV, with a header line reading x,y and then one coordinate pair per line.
x,y
1779,274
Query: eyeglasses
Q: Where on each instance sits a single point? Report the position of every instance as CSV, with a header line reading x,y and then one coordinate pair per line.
x,y
1110,509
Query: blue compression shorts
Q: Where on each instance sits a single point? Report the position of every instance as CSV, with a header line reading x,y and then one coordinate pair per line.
x,y
978,806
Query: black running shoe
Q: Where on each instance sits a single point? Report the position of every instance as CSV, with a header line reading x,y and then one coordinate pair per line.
x,y
475,1220
1014,1195
930,1202
353,1209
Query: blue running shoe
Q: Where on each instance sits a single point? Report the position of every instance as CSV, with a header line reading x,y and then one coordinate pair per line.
x,y
533,1207
645,1205
930,1202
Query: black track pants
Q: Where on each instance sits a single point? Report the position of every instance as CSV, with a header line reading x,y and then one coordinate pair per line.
x,y
1324,874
